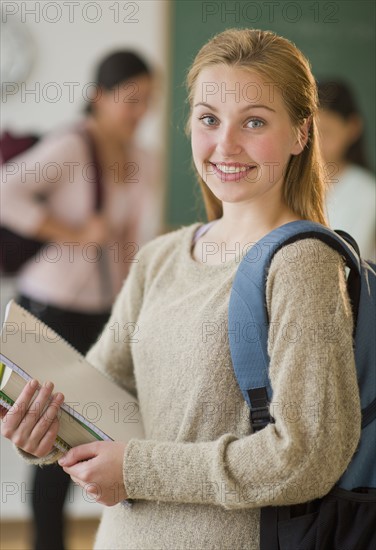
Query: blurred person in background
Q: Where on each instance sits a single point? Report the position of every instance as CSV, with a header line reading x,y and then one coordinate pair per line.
x,y
72,282
351,196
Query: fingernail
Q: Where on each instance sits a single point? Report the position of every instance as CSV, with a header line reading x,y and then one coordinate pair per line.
x,y
62,461
59,397
34,384
48,385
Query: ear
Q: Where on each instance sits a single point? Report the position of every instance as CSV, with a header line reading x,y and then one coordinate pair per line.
x,y
302,135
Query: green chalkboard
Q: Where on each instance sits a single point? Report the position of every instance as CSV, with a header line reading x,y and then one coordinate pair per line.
x,y
337,37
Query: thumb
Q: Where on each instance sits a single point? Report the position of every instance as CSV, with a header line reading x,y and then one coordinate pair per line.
x,y
79,453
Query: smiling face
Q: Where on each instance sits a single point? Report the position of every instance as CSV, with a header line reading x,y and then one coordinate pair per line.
x,y
241,134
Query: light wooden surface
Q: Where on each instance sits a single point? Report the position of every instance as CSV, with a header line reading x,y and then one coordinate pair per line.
x,y
16,535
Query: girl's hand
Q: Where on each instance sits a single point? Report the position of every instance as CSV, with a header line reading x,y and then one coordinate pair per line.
x,y
33,425
98,468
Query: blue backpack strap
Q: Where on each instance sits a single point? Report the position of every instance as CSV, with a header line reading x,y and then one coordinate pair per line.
x,y
248,318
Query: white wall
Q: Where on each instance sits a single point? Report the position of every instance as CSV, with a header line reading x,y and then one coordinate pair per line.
x,y
66,52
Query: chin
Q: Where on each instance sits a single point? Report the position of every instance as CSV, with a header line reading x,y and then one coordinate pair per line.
x,y
233,192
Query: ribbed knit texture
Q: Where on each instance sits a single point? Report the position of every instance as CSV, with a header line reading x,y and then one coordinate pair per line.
x,y
199,478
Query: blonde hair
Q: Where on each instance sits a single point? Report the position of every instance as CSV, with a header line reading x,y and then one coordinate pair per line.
x,y
279,60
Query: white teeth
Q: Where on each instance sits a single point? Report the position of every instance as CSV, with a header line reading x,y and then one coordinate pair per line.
x,y
232,169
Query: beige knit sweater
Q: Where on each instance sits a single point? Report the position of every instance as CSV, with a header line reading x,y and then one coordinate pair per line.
x,y
199,478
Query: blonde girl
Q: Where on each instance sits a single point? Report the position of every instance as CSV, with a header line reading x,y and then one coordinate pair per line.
x,y
200,477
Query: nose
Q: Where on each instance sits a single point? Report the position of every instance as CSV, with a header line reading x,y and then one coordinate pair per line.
x,y
229,144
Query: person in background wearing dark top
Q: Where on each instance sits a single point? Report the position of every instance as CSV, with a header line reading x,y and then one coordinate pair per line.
x,y
73,282
351,196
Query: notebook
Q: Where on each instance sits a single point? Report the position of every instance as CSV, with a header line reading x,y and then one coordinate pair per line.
x,y
95,407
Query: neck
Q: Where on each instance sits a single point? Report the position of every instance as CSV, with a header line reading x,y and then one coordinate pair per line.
x,y
251,221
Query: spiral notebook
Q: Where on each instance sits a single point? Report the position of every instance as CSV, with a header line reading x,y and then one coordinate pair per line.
x,y
95,408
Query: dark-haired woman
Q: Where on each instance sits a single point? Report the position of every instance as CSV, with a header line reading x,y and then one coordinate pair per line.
x,y
90,245
351,198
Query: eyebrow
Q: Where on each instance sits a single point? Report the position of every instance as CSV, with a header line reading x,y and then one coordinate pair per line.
x,y
246,108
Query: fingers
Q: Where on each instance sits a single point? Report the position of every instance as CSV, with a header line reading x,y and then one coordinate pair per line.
x,y
79,453
91,489
43,435
77,481
16,413
32,412
33,425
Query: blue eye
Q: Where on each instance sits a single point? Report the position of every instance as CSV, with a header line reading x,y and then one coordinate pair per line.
x,y
208,118
256,123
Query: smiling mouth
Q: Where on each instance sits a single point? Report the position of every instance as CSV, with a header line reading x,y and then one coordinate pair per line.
x,y
231,172
235,168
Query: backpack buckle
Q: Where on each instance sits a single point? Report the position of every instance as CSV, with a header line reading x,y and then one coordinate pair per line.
x,y
259,414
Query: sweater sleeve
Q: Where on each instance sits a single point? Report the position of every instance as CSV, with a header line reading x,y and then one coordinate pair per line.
x,y
111,353
53,456
315,404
